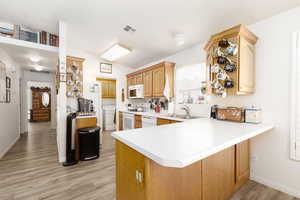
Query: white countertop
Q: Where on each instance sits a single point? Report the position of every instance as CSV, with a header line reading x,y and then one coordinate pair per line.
x,y
181,144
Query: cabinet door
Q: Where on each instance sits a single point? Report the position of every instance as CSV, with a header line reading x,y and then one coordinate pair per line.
x,y
242,163
105,88
128,163
246,67
120,121
219,175
131,80
138,121
158,81
112,89
139,79
147,76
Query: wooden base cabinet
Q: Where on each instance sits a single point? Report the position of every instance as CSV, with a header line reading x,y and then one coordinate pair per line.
x,y
137,121
120,122
219,175
242,153
161,121
214,178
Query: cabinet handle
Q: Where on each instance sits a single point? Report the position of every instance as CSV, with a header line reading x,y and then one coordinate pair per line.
x,y
138,176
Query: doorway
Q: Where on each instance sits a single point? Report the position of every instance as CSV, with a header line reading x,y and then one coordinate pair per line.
x,y
108,103
39,105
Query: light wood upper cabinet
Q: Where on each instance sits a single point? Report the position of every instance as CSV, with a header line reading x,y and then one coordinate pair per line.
x,y
139,79
244,76
147,77
246,70
108,87
105,88
131,80
158,81
154,79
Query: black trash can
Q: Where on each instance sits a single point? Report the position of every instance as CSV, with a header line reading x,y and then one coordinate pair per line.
x,y
89,143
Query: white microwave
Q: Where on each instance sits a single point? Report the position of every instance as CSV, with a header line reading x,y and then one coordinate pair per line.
x,y
136,91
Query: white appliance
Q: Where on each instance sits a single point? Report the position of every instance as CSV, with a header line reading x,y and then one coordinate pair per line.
x,y
136,91
109,117
148,121
128,121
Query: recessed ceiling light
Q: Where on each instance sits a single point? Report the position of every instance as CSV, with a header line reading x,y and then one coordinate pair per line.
x,y
38,68
35,59
115,52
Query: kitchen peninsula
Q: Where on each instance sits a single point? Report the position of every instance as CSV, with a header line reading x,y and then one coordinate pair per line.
x,y
200,159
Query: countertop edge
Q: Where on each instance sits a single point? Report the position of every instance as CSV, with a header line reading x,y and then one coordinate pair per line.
x,y
195,158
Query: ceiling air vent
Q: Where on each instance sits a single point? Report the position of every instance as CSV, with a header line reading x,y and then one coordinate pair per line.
x,y
128,28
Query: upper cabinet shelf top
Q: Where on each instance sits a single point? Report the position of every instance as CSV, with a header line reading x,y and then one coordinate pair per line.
x,y
239,30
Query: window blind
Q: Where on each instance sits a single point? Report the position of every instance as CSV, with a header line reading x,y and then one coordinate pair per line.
x,y
295,98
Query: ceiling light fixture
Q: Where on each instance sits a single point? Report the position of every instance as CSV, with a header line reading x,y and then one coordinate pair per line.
x,y
115,52
129,28
34,59
179,38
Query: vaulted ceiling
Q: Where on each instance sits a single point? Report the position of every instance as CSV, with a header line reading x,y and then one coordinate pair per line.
x,y
94,25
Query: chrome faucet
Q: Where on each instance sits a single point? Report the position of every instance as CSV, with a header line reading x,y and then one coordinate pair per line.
x,y
187,110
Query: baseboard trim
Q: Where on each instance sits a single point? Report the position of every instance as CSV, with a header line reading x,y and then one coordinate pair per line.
x,y
2,154
276,186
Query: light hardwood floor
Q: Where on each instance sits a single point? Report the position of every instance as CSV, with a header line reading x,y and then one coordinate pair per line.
x,y
30,171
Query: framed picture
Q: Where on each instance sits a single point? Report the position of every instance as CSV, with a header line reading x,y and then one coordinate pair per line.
x,y
106,68
8,96
8,82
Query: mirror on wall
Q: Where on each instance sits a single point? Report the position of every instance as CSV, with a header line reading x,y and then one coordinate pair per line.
x,y
45,99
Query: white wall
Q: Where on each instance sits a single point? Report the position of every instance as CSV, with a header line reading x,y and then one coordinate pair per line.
x,y
47,78
273,166
10,112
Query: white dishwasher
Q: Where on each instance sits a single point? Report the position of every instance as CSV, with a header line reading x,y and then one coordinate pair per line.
x,y
148,121
128,121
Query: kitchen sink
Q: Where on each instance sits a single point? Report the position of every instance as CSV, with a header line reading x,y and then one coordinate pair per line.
x,y
182,116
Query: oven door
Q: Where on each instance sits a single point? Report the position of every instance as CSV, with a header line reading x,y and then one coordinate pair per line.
x,y
128,121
